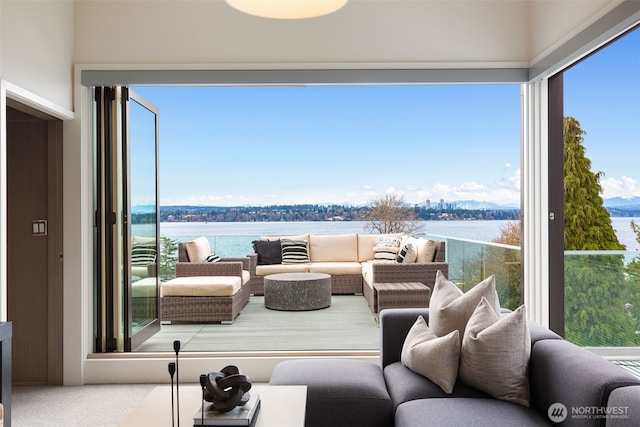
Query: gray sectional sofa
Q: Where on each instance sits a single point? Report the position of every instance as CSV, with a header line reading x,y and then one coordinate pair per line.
x,y
567,383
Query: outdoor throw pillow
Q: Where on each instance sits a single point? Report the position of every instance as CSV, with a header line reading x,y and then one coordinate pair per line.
x,y
294,251
495,353
426,250
436,358
386,248
269,251
407,254
198,249
213,258
450,308
143,253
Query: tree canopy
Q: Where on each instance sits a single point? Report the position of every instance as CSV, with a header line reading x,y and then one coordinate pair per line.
x,y
389,214
587,224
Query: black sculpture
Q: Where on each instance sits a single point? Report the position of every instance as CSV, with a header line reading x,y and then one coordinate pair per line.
x,y
227,389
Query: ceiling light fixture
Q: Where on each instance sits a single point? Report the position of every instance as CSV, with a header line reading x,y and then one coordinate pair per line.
x,y
287,9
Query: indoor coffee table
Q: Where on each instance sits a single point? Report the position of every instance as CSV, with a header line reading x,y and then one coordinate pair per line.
x,y
297,291
281,406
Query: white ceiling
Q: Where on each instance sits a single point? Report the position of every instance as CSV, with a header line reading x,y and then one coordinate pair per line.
x,y
364,34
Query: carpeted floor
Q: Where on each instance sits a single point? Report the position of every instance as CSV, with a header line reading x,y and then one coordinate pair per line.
x,y
75,406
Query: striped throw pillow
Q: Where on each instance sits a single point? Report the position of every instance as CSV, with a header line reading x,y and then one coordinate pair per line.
x,y
143,253
386,248
213,258
294,251
407,254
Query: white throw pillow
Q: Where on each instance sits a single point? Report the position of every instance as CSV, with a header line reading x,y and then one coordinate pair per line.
x,y
407,254
436,358
495,354
198,249
450,308
426,250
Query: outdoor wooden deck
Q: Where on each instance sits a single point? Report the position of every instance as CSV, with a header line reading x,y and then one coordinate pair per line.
x,y
348,325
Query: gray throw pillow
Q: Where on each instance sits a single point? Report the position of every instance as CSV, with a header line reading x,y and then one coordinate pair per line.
x,y
495,354
434,357
450,308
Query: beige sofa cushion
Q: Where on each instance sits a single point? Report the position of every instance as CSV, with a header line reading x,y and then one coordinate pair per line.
x,y
367,273
336,268
263,270
202,286
198,249
333,248
426,249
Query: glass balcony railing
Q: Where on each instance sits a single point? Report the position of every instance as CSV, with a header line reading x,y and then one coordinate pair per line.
x,y
602,288
472,261
602,298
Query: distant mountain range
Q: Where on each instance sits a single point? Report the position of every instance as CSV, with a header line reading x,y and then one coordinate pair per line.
x,y
613,204
475,205
622,202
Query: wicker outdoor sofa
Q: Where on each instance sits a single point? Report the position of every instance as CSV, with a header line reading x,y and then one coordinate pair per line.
x,y
355,262
197,308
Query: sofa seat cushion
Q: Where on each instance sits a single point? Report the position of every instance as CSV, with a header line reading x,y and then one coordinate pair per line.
x,y
140,270
340,392
477,412
264,270
335,247
367,273
246,276
202,286
404,385
336,268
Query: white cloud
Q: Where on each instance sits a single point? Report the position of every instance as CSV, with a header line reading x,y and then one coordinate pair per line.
x,y
503,191
620,187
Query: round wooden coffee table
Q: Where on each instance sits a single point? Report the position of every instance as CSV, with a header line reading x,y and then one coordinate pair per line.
x,y
297,291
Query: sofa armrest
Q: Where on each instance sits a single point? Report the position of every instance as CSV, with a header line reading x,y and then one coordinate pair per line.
x,y
562,372
624,405
394,326
220,268
390,272
253,262
246,262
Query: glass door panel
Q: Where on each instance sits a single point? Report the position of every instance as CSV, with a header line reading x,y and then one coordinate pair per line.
x,y
142,173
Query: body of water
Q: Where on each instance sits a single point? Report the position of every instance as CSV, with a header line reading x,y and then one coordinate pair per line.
x,y
234,238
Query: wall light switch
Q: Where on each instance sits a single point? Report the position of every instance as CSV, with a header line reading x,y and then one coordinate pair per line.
x,y
39,227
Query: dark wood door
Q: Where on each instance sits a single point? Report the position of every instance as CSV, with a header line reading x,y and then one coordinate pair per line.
x,y
34,270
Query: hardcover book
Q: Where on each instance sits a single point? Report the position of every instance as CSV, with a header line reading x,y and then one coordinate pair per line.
x,y
245,415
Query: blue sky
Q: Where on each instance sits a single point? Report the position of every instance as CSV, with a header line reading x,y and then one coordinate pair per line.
x,y
230,146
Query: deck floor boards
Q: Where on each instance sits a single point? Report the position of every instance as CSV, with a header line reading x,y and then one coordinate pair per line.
x,y
347,324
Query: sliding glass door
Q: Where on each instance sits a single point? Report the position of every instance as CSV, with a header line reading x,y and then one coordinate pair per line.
x,y
126,219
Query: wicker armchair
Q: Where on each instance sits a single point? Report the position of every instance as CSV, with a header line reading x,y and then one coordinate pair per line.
x,y
208,308
414,272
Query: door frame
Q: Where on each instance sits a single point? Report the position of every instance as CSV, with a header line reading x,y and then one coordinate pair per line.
x,y
19,99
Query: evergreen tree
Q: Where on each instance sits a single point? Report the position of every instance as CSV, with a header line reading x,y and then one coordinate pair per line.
x,y
168,257
596,289
587,224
